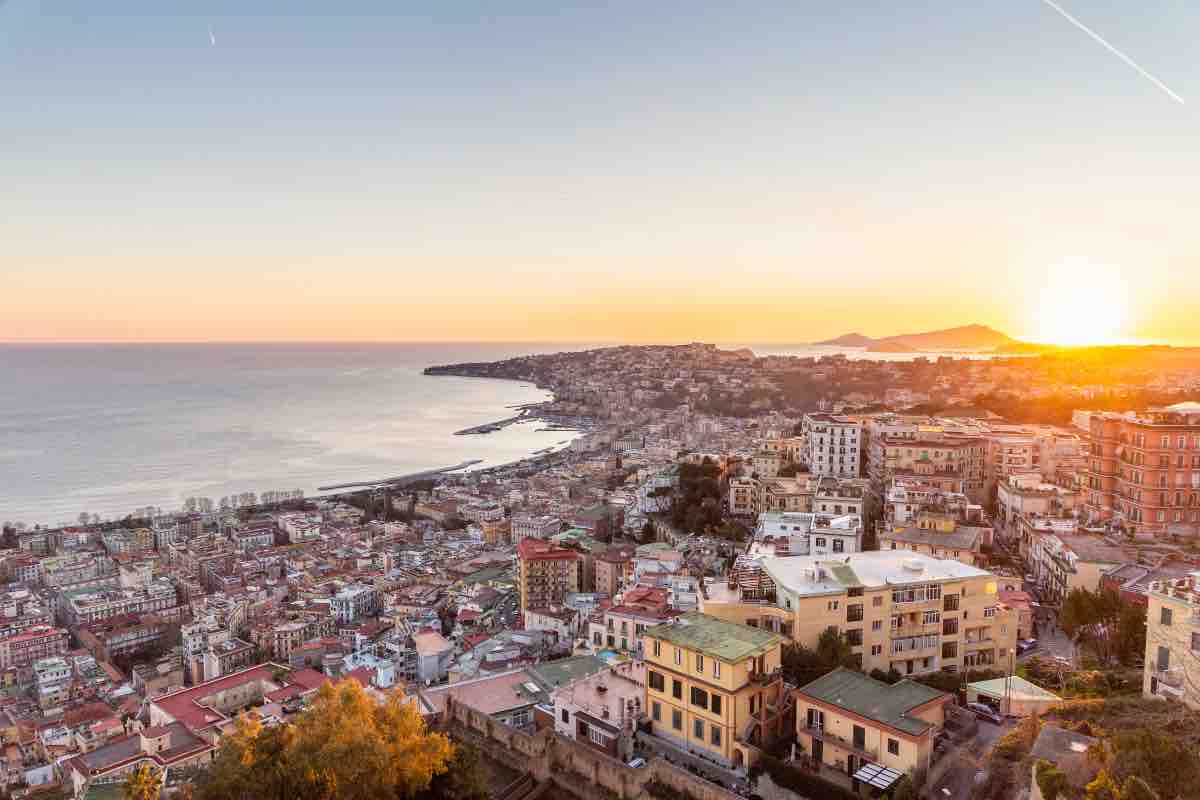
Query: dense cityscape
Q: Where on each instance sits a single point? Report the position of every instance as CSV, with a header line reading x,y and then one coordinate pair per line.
x,y
818,577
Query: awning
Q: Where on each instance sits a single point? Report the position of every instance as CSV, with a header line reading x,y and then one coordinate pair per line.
x,y
877,775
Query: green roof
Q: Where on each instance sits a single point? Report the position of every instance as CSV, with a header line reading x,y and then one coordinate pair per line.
x,y
566,670
1018,689
845,575
714,637
875,700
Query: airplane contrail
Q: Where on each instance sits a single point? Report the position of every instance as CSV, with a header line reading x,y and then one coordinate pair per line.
x,y
1144,73
212,40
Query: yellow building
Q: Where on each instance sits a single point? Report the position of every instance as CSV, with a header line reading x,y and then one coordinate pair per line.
x,y
712,686
899,609
847,720
1172,667
963,544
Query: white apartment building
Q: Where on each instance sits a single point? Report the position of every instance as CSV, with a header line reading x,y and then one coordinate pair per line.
x,y
353,602
833,445
539,526
781,533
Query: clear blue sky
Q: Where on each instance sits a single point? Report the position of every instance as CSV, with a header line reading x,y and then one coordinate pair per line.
x,y
551,171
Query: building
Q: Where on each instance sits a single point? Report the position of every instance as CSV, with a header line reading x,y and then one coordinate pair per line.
x,y
712,684
612,568
961,544
1061,562
1143,470
802,534
900,610
832,445
602,710
539,526
1172,665
355,602
82,606
848,720
33,643
546,573
839,496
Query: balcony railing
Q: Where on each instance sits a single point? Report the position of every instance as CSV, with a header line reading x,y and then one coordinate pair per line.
x,y
823,735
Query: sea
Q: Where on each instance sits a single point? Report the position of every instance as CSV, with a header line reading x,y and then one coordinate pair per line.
x,y
110,428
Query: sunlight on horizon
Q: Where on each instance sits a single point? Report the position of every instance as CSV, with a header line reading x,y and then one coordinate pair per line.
x,y
1081,303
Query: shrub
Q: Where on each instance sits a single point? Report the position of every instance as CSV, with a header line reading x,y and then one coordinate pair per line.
x,y
802,783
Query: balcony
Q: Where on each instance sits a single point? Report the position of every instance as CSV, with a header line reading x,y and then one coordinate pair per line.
x,y
833,740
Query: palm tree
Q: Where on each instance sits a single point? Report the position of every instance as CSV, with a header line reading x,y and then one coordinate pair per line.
x,y
144,783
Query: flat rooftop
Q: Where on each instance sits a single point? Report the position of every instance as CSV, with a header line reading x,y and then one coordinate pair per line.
x,y
819,575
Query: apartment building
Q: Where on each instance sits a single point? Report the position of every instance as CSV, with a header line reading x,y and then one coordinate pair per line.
x,y
355,602
963,544
1061,559
833,445
82,606
840,495
1172,665
900,610
849,721
792,533
712,684
539,526
1143,470
952,463
34,643
546,573
613,568
752,496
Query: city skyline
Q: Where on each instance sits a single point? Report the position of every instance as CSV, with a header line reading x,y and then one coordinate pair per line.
x,y
692,172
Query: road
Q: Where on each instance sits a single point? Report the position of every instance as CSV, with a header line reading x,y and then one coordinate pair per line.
x,y
963,763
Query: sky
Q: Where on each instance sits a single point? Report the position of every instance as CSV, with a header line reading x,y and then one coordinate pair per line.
x,y
525,171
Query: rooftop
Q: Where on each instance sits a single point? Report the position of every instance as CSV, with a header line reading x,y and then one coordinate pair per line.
x,y
960,539
875,700
714,637
818,575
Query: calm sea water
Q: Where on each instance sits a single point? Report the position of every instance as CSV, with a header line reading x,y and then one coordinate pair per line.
x,y
109,428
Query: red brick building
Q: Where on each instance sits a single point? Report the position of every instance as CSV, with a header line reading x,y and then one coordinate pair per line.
x,y
24,648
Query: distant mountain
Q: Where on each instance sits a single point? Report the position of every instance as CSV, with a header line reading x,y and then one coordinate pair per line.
x,y
849,340
966,337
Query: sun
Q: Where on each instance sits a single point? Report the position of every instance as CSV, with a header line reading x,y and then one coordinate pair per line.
x,y
1080,304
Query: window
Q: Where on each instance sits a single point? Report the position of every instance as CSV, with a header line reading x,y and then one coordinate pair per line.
x,y
699,663
854,613
716,735
859,736
656,711
657,683
698,729
597,736
876,649
716,704
566,715
990,611
838,546
1195,642
820,541
699,698
1165,616
1164,659
716,668
677,690
678,656
877,600
894,747
950,602
931,617
877,625
677,719
657,648
854,637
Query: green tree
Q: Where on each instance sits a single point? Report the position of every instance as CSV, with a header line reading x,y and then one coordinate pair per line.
x,y
1102,788
904,789
1050,779
465,779
1134,788
1164,762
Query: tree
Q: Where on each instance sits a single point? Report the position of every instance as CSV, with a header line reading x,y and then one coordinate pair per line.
x,y
904,789
1102,788
1050,779
802,665
346,746
1134,788
1164,762
144,783
466,779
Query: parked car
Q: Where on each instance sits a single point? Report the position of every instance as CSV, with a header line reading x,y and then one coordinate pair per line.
x,y
1025,645
984,711
637,762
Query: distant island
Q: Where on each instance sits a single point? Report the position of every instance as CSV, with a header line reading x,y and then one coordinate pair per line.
x,y
965,337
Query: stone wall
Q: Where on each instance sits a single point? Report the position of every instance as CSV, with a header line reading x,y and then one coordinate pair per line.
x,y
573,767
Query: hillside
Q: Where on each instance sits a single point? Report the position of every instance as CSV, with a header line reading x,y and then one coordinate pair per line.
x,y
965,337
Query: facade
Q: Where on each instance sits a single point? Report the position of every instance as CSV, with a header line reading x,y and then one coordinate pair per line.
x,y
355,602
711,684
1143,470
900,610
833,445
961,544
798,534
34,643
1172,666
950,463
82,606
546,573
539,526
612,568
846,719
